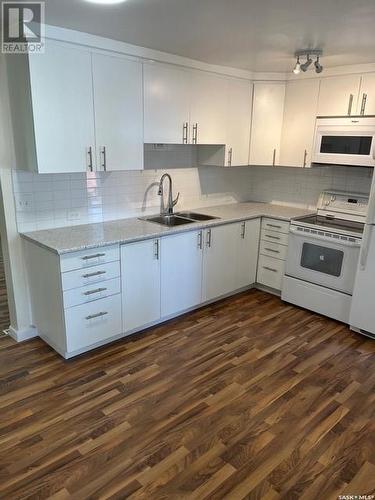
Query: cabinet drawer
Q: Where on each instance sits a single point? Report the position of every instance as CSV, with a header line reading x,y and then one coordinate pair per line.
x,y
88,293
88,258
274,237
273,250
95,274
270,272
94,322
280,226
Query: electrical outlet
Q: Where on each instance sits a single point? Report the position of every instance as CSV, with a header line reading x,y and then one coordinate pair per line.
x,y
73,215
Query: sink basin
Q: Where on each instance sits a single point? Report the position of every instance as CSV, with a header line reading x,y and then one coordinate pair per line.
x,y
169,220
195,216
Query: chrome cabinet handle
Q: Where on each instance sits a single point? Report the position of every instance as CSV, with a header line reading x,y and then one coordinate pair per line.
x,y
156,249
95,256
305,158
90,165
363,105
272,237
271,250
200,242
91,275
98,315
185,133
195,133
274,158
243,230
103,152
351,97
209,240
270,269
273,225
230,155
92,292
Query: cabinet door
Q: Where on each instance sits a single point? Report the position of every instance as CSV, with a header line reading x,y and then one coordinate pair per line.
x,y
238,122
247,257
61,89
220,261
140,278
118,113
166,104
208,108
181,272
366,102
338,95
267,121
301,101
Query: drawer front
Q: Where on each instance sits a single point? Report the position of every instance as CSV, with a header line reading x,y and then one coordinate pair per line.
x,y
88,293
274,237
90,276
273,250
88,258
270,272
94,322
280,226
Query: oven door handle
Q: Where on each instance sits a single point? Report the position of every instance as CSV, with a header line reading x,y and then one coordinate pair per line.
x,y
296,232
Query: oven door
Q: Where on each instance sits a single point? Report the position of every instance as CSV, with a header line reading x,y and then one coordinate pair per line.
x,y
345,141
322,260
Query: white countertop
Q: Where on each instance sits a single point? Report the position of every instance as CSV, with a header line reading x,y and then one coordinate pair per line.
x,y
73,238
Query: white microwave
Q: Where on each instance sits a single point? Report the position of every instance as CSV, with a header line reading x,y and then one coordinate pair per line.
x,y
345,141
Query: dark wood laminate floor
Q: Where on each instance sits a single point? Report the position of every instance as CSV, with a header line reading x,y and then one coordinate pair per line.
x,y
247,398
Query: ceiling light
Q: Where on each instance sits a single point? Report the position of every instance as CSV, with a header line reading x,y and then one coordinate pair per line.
x,y
305,66
106,2
297,67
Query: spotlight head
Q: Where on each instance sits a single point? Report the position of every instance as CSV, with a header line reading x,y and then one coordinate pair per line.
x,y
318,66
305,66
297,67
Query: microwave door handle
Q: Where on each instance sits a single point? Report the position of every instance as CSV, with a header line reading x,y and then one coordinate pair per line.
x,y
365,247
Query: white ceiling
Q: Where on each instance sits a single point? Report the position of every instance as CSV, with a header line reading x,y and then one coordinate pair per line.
x,y
258,35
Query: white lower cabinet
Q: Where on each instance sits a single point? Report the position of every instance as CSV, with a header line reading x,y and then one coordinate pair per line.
x,y
140,278
247,255
181,272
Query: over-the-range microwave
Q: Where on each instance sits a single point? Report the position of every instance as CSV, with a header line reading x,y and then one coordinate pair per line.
x,y
345,141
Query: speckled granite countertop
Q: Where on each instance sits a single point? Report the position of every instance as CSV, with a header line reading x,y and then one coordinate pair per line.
x,y
73,238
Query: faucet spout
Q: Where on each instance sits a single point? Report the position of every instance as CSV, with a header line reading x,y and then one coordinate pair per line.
x,y
168,210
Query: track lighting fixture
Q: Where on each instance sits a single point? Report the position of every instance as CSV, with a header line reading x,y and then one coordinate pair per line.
x,y
305,66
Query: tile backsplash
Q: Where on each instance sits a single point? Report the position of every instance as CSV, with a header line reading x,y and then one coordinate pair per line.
x,y
53,200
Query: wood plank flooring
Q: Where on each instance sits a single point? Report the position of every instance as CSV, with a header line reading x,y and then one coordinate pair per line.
x,y
246,398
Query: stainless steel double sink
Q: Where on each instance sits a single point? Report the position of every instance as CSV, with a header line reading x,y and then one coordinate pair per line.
x,y
179,218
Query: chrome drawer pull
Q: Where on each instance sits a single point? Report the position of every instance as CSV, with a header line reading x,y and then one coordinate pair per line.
x,y
273,225
273,237
270,269
96,256
90,275
98,290
272,250
99,315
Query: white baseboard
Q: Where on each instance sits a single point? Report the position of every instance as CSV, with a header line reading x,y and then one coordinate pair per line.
x,y
24,334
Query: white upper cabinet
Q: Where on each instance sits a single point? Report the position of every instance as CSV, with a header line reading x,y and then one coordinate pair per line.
x,y
118,104
267,121
63,114
238,122
166,104
366,102
208,108
301,102
338,95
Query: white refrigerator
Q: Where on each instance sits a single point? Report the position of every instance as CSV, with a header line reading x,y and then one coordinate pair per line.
x,y
362,314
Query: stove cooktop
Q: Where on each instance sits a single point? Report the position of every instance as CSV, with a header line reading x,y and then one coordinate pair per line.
x,y
331,223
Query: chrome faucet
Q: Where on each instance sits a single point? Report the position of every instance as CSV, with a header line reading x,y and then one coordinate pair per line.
x,y
171,202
